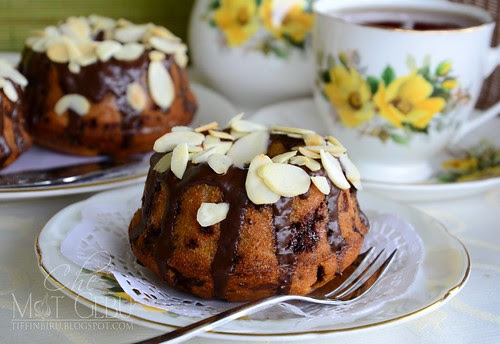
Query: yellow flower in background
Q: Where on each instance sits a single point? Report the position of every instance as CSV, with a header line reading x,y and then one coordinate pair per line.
x,y
350,95
286,18
237,19
407,100
449,84
462,165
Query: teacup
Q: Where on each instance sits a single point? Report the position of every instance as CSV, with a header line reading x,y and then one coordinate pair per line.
x,y
254,52
398,81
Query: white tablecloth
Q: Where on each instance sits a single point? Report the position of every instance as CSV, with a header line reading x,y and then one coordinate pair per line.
x,y
473,316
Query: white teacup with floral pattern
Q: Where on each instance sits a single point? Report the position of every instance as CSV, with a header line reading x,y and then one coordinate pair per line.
x,y
394,96
255,52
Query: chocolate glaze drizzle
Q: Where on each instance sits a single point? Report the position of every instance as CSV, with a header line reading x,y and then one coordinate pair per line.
x,y
289,236
14,111
94,82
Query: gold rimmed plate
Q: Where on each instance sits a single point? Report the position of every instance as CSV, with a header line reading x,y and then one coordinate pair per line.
x,y
442,273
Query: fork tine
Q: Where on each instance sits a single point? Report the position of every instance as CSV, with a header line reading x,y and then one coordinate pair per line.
x,y
355,277
353,291
360,260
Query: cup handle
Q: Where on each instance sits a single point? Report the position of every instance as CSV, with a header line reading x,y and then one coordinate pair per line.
x,y
481,118
492,61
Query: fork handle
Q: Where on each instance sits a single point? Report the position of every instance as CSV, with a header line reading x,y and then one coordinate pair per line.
x,y
212,322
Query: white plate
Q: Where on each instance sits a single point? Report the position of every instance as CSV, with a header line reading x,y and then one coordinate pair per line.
x,y
212,107
303,113
443,273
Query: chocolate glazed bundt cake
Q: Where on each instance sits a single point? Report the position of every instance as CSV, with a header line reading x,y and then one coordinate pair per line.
x,y
14,139
246,212
100,86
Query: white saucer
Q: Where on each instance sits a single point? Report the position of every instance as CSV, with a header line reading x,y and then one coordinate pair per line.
x,y
442,273
212,107
302,113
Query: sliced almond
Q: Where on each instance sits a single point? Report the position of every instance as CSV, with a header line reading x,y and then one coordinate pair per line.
x,y
310,154
181,128
283,158
195,149
181,58
71,48
210,141
334,171
248,147
203,156
136,97
170,140
206,127
9,90
322,184
180,158
237,134
9,72
161,32
313,165
163,164
211,213
257,191
313,139
106,49
292,130
74,102
329,149
129,52
156,55
334,141
294,136
221,135
77,28
246,126
160,85
298,160
351,171
58,53
284,179
234,119
165,45
86,60
220,163
222,147
74,67
131,33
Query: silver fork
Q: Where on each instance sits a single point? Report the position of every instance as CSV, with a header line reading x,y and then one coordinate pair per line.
x,y
356,284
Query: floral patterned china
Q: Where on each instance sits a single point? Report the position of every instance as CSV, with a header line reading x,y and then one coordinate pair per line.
x,y
254,51
396,95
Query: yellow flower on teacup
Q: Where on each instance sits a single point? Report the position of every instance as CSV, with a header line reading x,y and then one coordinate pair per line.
x,y
350,95
286,19
408,100
237,19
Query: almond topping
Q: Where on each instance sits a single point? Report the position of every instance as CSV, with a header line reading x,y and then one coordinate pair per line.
x,y
206,127
181,128
314,139
163,164
256,189
136,97
180,158
203,156
249,146
292,130
283,158
329,149
220,163
58,53
129,52
221,135
75,102
334,171
131,33
322,184
156,56
9,90
160,85
8,72
170,140
334,141
284,179
310,154
211,213
244,126
210,141
351,171
106,49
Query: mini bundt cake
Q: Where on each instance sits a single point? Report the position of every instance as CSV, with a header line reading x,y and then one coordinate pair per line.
x,y
100,86
14,139
248,212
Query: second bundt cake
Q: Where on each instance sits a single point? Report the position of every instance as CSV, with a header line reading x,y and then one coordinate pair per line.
x,y
101,86
247,212
14,139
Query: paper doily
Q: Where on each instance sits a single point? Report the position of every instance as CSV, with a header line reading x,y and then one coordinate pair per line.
x,y
99,242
